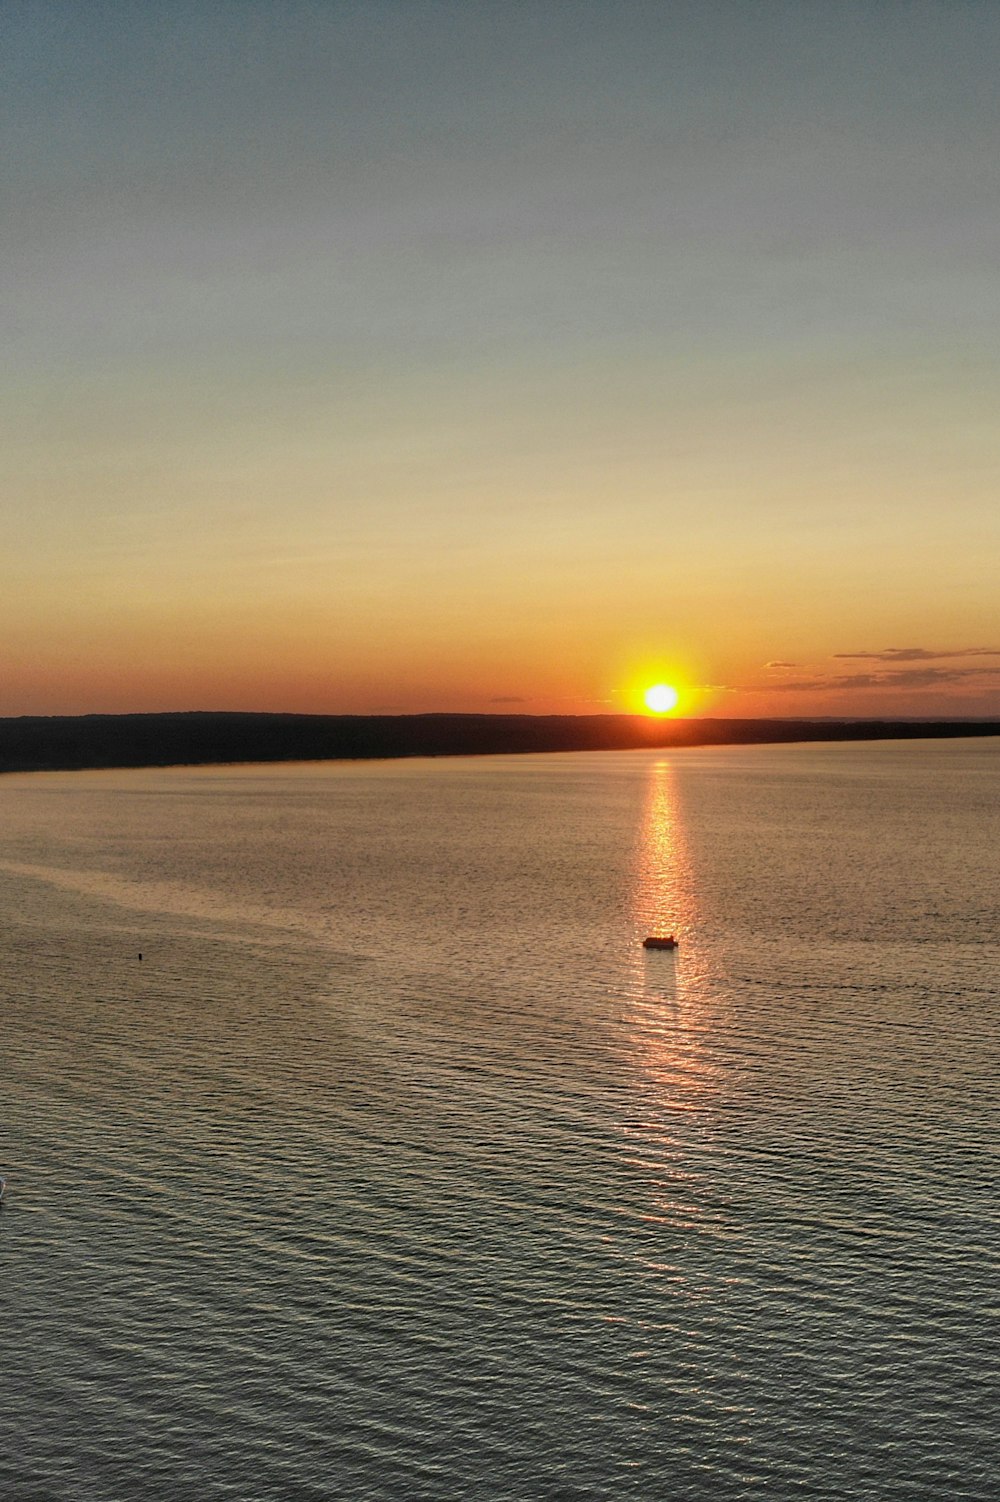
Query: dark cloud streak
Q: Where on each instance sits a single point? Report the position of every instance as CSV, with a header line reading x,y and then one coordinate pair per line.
x,y
904,678
914,654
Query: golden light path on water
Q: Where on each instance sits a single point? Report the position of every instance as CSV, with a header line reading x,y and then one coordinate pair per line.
x,y
673,1078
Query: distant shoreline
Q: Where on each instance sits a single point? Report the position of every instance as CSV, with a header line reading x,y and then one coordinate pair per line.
x,y
91,742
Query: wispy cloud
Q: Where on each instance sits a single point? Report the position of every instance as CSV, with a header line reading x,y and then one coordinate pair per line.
x,y
901,678
899,668
508,699
915,654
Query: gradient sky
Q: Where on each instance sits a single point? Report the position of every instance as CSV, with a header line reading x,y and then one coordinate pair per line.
x,y
408,356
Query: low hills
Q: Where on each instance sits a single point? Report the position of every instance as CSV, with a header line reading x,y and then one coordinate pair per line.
x,y
41,743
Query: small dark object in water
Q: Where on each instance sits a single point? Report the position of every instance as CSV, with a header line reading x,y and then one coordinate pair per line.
x,y
667,941
140,956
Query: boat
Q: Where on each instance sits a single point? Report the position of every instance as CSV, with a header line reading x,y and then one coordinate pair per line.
x,y
660,941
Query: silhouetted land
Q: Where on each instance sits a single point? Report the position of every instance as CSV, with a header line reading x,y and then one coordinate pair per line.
x,y
147,740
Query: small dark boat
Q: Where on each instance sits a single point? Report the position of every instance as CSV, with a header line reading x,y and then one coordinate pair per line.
x,y
664,941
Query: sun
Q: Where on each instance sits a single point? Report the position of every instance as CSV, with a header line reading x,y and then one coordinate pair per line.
x,y
661,698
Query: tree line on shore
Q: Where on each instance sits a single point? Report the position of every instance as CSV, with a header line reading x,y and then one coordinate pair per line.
x,y
41,743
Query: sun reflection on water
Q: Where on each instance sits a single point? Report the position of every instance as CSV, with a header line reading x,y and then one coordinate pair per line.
x,y
674,1085
662,890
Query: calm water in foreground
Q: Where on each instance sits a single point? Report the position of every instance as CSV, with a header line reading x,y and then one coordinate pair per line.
x,y
396,1169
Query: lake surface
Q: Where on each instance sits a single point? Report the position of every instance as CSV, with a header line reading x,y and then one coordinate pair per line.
x,y
397,1169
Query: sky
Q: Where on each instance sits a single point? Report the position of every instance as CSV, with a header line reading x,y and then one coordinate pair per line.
x,y
401,356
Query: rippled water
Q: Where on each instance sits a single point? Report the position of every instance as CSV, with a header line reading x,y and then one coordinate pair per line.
x,y
397,1169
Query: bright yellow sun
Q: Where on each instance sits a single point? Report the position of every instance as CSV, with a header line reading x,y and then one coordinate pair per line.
x,y
661,698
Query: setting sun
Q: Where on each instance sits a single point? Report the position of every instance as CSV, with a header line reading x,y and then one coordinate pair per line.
x,y
661,698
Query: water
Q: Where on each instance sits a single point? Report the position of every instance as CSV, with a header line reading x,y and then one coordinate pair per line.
x,y
397,1169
